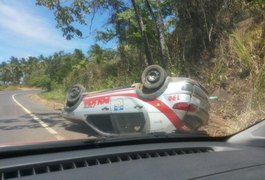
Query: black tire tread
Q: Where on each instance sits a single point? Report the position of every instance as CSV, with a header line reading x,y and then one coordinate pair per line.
x,y
71,101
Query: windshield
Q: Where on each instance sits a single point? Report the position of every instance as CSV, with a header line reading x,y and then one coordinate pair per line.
x,y
78,69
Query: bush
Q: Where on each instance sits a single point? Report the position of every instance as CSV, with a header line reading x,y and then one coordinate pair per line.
x,y
42,81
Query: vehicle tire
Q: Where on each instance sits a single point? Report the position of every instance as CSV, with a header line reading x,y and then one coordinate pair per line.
x,y
74,94
153,77
144,93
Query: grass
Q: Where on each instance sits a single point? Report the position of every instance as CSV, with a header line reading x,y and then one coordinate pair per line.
x,y
218,74
10,87
242,51
56,95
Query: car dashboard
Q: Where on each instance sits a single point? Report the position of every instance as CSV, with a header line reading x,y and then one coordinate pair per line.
x,y
231,158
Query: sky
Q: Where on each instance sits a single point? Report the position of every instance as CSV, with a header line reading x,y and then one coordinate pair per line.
x,y
30,30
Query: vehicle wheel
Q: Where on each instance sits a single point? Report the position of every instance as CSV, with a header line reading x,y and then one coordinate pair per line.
x,y
145,93
153,77
74,94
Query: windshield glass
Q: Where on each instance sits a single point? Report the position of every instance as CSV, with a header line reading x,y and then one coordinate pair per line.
x,y
78,69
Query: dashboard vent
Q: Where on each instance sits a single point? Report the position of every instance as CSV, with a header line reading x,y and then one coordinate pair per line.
x,y
35,169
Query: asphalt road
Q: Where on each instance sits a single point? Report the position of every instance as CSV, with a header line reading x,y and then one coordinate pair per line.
x,y
25,121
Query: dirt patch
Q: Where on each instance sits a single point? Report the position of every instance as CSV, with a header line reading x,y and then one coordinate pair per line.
x,y
233,111
51,104
218,126
28,88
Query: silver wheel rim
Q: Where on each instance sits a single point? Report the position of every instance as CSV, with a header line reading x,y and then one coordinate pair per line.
x,y
153,76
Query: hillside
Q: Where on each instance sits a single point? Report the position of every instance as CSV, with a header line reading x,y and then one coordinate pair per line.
x,y
238,79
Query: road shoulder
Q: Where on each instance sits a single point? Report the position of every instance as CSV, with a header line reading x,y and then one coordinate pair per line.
x,y
54,105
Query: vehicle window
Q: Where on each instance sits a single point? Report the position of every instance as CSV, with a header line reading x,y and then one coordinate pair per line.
x,y
102,123
129,122
77,69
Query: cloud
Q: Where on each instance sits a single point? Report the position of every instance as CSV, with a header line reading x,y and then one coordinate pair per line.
x,y
22,28
27,25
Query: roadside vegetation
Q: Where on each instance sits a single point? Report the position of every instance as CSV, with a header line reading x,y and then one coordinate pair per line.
x,y
220,43
9,87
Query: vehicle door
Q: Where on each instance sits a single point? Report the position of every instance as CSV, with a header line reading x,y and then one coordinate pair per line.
x,y
127,114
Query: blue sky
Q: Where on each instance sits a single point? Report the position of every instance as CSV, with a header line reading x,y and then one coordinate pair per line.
x,y
30,30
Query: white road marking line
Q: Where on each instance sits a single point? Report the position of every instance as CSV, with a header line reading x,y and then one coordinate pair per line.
x,y
50,130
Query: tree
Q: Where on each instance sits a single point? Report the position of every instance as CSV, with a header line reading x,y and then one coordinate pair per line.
x,y
98,54
158,19
142,29
142,26
4,73
66,16
68,13
78,54
14,70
